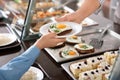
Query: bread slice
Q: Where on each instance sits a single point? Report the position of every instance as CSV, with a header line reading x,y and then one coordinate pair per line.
x,y
60,29
84,48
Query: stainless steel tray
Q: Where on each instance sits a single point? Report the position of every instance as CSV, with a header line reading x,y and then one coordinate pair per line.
x,y
111,42
65,66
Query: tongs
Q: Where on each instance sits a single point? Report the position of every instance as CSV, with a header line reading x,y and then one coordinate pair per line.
x,y
98,42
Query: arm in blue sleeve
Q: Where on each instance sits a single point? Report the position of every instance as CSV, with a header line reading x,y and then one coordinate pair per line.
x,y
15,68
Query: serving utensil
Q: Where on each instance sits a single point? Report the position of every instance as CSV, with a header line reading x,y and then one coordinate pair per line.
x,y
90,32
98,42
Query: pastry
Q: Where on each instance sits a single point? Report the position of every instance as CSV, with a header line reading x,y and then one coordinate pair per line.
x,y
95,61
79,67
90,75
110,56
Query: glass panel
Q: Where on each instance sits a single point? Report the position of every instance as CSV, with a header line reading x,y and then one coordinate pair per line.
x,y
30,15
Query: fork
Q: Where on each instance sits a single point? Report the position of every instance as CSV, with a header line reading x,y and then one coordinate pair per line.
x,y
98,42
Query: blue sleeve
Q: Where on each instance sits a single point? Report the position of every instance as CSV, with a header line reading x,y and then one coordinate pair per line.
x,y
15,68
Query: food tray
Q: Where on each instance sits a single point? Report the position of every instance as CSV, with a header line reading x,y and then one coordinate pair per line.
x,y
111,42
66,66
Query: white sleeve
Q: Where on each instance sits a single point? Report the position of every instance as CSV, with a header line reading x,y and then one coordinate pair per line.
x,y
101,4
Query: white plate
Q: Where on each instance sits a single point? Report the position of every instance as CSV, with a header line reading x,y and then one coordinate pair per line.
x,y
38,73
7,38
76,28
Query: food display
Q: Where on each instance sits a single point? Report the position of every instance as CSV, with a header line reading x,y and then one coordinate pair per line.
x,y
36,26
42,13
48,14
84,48
93,68
45,5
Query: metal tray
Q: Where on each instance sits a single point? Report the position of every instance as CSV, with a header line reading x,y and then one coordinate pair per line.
x,y
111,42
66,67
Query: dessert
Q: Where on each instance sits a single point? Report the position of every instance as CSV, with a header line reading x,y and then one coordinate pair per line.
x,y
94,68
79,67
95,61
110,56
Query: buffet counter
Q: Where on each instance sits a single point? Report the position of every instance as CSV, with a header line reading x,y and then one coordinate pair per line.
x,y
50,67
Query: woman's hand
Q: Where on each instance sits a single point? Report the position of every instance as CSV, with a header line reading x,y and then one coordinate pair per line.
x,y
86,9
48,40
71,17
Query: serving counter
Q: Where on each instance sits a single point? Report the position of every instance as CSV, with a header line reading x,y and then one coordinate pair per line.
x,y
51,68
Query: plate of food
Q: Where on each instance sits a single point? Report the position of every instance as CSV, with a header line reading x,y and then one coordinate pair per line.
x,y
33,74
6,39
62,29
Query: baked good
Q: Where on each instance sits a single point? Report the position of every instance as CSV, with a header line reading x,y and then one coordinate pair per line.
x,y
105,70
84,48
79,67
110,56
90,75
103,64
95,74
69,53
106,76
97,68
60,29
95,61
74,39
